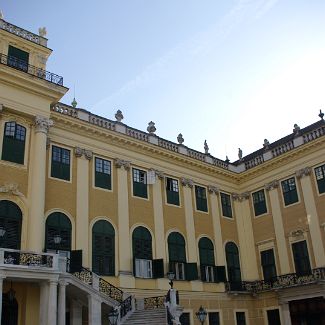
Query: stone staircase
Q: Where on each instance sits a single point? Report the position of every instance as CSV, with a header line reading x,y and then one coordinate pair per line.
x,y
156,316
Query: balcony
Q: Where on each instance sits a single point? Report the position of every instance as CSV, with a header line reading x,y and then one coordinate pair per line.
x,y
30,69
280,282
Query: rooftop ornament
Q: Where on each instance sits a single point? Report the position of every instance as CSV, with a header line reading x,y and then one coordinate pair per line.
x,y
180,138
227,160
74,103
42,31
1,15
151,127
206,147
321,114
266,144
119,116
240,154
296,129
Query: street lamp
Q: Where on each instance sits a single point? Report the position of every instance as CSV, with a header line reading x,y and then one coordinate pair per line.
x,y
171,277
2,232
57,239
113,316
201,315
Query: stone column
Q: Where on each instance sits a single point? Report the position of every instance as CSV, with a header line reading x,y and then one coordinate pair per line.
x,y
215,211
189,220
245,236
62,303
278,227
312,216
285,313
75,312
82,208
52,305
1,289
94,310
44,302
124,240
36,224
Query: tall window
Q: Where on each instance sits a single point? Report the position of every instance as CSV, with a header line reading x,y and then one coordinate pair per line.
x,y
17,58
214,318
289,190
10,225
273,317
103,256
320,177
139,183
240,318
259,202
268,264
301,258
13,147
185,319
226,205
172,191
233,266
60,167
207,263
58,232
142,252
102,173
201,198
177,258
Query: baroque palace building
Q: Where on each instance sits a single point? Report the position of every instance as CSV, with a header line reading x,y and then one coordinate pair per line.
x,y
94,213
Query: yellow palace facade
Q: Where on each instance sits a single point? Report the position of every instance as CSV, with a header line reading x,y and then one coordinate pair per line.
x,y
94,213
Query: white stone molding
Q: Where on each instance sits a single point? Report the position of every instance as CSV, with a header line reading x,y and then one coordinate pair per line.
x,y
79,152
187,182
272,185
213,189
119,163
303,172
240,196
10,188
43,124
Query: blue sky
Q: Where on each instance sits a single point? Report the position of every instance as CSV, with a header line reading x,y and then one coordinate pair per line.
x,y
232,72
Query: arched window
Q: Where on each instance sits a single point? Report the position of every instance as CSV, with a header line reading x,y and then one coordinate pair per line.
x,y
103,255
233,266
13,146
10,225
58,232
142,252
177,258
207,262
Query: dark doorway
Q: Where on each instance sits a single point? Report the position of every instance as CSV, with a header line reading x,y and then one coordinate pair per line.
x,y
9,310
308,311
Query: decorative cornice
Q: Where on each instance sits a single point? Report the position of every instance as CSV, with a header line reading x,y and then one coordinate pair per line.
x,y
187,182
122,163
272,185
43,124
10,188
303,172
213,189
240,197
79,152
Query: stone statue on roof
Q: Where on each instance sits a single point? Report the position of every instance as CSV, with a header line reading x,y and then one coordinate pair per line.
x,y
240,154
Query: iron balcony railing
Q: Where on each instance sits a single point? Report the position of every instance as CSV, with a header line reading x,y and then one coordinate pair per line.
x,y
279,282
22,65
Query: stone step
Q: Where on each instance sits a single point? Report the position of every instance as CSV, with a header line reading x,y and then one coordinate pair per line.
x,y
147,317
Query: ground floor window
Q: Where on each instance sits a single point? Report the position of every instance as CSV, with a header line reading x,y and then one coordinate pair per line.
x,y
9,310
185,319
273,317
214,318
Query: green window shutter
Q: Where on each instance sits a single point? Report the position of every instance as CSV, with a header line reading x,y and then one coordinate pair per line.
x,y
301,258
176,247
220,274
203,274
17,58
226,205
201,198
142,243
140,189
321,185
233,265
191,271
103,180
268,264
173,197
158,268
259,202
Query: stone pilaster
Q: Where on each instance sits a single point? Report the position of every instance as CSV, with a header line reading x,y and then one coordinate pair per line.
x,y
82,209
313,218
125,258
245,236
37,184
216,221
281,243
